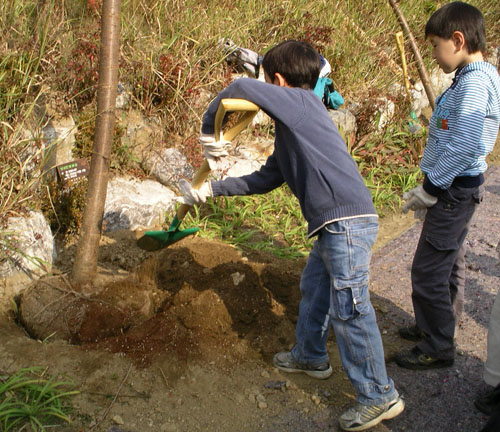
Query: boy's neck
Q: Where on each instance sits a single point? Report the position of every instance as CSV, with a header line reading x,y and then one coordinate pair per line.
x,y
471,58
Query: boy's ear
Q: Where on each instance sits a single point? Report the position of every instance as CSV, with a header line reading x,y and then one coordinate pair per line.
x,y
458,39
280,80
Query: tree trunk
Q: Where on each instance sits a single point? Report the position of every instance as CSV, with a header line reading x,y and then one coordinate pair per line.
x,y
85,266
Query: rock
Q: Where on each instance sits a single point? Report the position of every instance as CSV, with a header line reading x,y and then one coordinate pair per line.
x,y
232,166
142,135
316,399
237,278
118,420
344,120
386,112
169,166
122,95
32,236
134,205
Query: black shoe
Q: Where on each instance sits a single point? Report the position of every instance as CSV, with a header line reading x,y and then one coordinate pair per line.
x,y
489,402
416,359
493,424
412,333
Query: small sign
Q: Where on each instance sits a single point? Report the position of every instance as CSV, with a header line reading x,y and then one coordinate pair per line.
x,y
71,171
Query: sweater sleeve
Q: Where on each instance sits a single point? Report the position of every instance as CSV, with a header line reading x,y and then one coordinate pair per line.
x,y
285,105
267,178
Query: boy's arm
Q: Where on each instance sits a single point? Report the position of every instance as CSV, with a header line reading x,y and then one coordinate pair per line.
x,y
265,180
279,103
464,145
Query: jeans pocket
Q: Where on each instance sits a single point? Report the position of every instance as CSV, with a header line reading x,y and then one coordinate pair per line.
x,y
350,297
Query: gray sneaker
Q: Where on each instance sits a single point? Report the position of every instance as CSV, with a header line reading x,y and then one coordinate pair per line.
x,y
362,417
285,362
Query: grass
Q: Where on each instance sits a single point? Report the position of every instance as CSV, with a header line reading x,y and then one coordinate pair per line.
x,y
171,65
29,398
271,222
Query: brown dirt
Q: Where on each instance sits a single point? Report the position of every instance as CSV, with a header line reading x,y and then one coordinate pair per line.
x,y
195,353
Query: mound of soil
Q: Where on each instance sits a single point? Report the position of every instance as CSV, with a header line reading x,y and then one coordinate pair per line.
x,y
197,298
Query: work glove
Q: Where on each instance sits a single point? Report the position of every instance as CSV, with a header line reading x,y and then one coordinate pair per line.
x,y
213,150
194,196
418,199
420,214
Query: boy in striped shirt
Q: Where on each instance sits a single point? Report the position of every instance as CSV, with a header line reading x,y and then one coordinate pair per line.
x,y
463,130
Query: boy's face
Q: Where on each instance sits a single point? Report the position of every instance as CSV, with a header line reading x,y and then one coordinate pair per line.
x,y
450,54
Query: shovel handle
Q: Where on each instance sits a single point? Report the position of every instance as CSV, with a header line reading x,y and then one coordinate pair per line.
x,y
225,106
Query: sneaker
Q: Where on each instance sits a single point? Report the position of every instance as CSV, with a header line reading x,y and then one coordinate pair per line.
x,y
361,417
418,360
285,362
412,333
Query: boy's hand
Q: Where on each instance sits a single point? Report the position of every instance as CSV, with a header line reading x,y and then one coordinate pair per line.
x,y
194,196
418,199
213,149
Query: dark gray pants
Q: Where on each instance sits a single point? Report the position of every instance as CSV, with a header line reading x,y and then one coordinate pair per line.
x,y
438,269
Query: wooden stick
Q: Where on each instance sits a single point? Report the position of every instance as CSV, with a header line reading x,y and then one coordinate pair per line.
x,y
422,71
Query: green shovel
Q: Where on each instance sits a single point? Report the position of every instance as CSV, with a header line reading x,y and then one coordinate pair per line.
x,y
156,240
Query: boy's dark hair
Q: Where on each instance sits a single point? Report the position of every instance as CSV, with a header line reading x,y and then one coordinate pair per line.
x,y
297,61
462,17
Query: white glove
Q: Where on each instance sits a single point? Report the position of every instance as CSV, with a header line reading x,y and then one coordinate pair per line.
x,y
213,150
420,214
417,199
194,196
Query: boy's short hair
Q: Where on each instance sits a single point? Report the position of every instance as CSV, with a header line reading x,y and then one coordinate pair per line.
x,y
462,17
297,61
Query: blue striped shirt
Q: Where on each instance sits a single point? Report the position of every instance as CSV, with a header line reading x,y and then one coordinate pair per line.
x,y
464,126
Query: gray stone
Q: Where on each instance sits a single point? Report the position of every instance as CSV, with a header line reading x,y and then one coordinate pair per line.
x,y
344,120
169,166
132,204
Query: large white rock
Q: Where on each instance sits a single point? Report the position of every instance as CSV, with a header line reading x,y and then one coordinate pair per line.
x,y
134,205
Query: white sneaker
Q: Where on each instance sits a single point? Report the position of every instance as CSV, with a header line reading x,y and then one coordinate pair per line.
x,y
361,417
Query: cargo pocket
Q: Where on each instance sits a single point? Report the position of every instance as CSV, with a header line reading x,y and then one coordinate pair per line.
x,y
350,297
442,244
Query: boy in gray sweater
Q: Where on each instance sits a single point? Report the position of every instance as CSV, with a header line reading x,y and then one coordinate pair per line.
x,y
311,158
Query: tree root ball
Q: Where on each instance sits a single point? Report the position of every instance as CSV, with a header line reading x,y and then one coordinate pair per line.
x,y
52,309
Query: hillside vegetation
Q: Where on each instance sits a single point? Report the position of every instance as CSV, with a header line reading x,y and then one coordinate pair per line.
x,y
170,60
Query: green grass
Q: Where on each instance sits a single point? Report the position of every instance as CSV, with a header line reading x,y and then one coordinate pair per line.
x,y
271,222
28,397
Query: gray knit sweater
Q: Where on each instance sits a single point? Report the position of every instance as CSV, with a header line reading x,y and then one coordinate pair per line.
x,y
309,155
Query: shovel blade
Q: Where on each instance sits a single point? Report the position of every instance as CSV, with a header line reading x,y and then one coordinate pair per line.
x,y
156,240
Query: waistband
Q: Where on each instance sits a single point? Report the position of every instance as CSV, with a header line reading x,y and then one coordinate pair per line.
x,y
468,181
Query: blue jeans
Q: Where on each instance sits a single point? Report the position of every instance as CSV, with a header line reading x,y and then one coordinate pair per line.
x,y
334,288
